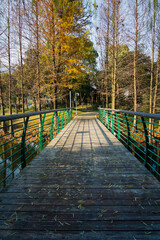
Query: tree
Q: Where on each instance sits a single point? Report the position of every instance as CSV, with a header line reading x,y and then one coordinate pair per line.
x,y
135,62
157,72
107,52
21,57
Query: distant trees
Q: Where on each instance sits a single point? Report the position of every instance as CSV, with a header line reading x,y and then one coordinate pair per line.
x,y
53,50
133,25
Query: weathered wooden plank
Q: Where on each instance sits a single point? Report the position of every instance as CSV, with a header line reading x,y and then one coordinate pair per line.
x,y
82,194
86,202
80,235
86,213
99,225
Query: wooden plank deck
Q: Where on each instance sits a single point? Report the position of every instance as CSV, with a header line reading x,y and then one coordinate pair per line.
x,y
83,185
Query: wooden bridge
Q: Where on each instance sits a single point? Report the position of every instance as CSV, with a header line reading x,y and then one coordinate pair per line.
x,y
84,185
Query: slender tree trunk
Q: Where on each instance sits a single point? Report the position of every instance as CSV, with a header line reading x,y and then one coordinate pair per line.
x,y
113,68
117,93
9,59
37,43
116,47
1,101
157,73
152,73
34,102
21,58
151,126
135,65
16,108
1,96
107,55
9,68
54,60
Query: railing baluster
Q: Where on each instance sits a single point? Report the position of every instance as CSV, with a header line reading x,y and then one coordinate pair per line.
x,y
105,122
70,114
118,127
112,122
51,129
58,122
41,132
104,117
146,140
4,164
66,117
128,132
62,119
108,120
23,157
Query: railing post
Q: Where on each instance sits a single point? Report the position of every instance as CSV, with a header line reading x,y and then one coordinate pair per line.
x,y
51,130
4,164
108,120
99,114
118,125
62,119
41,132
70,114
112,123
102,111
128,132
58,122
66,117
104,117
23,157
146,140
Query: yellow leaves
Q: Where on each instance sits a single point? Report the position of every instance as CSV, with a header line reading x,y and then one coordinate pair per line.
x,y
11,220
80,206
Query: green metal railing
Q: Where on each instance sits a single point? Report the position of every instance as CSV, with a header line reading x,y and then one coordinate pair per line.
x,y
138,131
22,136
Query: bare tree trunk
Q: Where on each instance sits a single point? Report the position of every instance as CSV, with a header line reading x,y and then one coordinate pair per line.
x,y
21,58
107,55
9,59
16,108
113,68
9,68
54,60
157,73
152,73
34,102
116,47
1,101
37,43
117,93
1,96
135,65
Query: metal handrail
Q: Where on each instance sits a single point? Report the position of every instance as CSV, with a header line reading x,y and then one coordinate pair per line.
x,y
137,133
140,114
29,114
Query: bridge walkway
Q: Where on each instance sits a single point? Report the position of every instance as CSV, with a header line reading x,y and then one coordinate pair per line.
x,y
84,185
